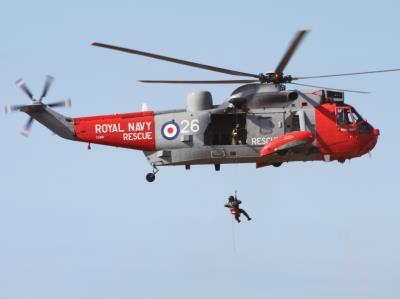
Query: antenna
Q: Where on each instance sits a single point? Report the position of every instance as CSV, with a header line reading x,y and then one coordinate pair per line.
x,y
145,107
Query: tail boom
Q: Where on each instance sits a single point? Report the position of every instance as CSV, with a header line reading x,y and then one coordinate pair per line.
x,y
128,130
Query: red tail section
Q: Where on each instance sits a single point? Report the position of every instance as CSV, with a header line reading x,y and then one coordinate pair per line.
x,y
129,130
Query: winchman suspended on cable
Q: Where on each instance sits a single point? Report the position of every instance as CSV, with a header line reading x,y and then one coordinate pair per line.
x,y
233,204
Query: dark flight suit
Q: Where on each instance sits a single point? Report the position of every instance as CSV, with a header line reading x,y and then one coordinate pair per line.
x,y
238,135
233,205
235,135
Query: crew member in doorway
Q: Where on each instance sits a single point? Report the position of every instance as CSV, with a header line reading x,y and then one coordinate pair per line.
x,y
233,205
235,135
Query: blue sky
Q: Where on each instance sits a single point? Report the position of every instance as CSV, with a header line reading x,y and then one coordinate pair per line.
x,y
84,224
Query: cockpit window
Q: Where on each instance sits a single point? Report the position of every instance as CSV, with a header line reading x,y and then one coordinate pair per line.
x,y
357,117
347,116
343,116
339,116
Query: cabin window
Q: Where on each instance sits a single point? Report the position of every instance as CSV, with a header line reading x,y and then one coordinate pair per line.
x,y
295,123
266,125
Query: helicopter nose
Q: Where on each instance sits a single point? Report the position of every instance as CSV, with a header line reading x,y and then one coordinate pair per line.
x,y
372,140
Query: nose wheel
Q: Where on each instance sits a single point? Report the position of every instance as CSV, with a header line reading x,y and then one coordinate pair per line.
x,y
151,176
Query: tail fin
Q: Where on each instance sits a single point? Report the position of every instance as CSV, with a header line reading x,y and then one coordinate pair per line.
x,y
55,122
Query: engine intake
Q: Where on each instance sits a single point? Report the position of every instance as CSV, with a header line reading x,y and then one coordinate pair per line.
x,y
198,101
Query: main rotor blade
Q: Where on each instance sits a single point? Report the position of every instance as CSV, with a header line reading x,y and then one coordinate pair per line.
x,y
290,51
337,89
25,131
347,74
24,87
199,81
175,60
47,84
64,103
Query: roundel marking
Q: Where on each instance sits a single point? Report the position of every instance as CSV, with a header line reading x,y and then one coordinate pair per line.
x,y
170,130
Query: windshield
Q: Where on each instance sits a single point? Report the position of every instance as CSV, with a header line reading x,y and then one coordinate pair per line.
x,y
357,117
347,116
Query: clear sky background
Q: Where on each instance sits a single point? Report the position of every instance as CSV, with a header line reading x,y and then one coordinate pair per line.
x,y
85,224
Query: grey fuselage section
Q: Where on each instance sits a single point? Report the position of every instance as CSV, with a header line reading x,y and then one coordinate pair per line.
x,y
236,130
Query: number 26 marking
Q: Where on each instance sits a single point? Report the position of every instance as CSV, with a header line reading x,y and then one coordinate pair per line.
x,y
190,126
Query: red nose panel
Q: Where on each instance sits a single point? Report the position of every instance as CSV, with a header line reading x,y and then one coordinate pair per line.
x,y
343,141
130,130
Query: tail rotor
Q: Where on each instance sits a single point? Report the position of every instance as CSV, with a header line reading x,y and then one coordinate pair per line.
x,y
65,103
27,128
35,102
47,84
12,108
21,84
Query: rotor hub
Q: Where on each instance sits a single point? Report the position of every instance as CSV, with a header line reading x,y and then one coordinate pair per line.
x,y
275,78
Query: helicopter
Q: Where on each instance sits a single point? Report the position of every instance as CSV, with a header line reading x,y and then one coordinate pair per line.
x,y
261,122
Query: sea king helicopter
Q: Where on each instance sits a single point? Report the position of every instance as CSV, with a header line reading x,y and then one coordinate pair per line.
x,y
261,122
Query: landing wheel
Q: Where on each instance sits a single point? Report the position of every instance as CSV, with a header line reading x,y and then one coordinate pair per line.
x,y
150,177
277,164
